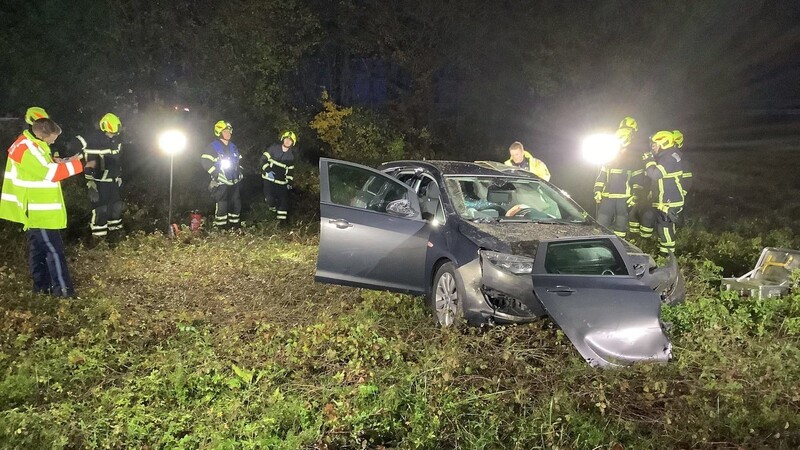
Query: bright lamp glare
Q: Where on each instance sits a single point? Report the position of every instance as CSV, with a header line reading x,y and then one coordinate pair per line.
x,y
172,141
226,163
600,148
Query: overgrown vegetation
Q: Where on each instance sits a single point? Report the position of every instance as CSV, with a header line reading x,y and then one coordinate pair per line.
x,y
225,341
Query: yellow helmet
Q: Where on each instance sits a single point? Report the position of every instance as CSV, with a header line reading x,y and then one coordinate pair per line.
x,y
221,126
677,136
290,135
35,113
629,122
664,139
624,135
110,123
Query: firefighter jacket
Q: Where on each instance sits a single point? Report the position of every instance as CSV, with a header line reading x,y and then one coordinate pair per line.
x,y
222,162
277,165
688,176
640,184
531,164
665,171
97,146
31,186
614,179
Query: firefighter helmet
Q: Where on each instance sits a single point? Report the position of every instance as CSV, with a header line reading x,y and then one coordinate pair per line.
x,y
35,113
110,123
629,122
290,135
678,137
624,135
663,139
221,126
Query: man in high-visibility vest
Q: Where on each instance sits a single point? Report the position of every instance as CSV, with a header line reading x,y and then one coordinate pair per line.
x,y
277,164
32,196
520,158
664,168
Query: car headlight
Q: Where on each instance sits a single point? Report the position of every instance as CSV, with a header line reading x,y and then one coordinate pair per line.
x,y
518,265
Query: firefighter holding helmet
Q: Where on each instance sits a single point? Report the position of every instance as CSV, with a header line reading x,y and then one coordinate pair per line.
x,y
104,180
221,161
665,171
277,164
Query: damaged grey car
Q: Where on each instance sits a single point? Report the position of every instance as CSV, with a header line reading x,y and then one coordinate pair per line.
x,y
491,247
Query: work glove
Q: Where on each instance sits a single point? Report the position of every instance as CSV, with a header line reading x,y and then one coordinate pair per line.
x,y
289,187
213,185
119,181
631,201
94,194
271,176
598,196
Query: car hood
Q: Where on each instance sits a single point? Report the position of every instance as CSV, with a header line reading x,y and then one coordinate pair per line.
x,y
522,238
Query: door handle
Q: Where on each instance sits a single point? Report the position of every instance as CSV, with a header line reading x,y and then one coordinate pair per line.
x,y
340,223
561,290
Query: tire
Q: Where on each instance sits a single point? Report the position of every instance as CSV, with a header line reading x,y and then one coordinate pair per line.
x,y
445,297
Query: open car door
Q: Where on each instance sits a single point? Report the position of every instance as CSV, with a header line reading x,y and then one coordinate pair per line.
x,y
610,316
371,230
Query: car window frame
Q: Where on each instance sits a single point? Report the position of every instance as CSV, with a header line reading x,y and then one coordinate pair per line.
x,y
541,254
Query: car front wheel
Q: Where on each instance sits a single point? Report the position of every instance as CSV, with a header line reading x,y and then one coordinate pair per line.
x,y
445,297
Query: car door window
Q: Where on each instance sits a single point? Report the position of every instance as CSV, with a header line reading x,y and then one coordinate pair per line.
x,y
356,187
430,200
591,257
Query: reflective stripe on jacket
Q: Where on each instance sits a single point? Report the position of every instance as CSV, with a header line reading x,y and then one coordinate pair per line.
x,y
279,162
214,158
97,146
665,171
531,164
31,190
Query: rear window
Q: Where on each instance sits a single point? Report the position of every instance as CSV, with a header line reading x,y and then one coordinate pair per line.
x,y
591,257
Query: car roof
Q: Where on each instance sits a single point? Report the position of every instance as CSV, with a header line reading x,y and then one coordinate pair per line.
x,y
445,167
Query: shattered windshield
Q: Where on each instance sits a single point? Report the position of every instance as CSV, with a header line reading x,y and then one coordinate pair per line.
x,y
493,198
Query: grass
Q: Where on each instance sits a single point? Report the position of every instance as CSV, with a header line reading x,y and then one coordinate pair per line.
x,y
226,342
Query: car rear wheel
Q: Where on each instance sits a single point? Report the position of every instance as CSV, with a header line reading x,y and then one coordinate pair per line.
x,y
445,297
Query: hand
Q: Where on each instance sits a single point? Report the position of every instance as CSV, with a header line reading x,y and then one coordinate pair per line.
x,y
91,164
213,185
289,187
271,176
94,195
119,181
598,196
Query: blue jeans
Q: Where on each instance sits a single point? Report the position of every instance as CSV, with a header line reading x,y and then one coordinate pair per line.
x,y
48,263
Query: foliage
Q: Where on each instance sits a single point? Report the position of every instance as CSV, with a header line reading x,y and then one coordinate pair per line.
x,y
355,134
225,341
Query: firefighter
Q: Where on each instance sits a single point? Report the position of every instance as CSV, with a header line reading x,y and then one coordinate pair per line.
x,y
104,180
519,157
221,161
612,189
277,164
665,171
32,196
638,204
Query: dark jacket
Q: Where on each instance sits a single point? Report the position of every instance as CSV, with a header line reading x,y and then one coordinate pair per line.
x,y
216,157
665,171
97,146
277,165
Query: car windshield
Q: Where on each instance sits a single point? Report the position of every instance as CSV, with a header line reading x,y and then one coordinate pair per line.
x,y
493,198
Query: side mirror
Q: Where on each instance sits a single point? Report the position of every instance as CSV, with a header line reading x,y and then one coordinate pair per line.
x,y
401,208
639,270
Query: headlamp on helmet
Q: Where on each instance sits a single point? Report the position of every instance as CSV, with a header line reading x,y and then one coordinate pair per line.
x,y
663,139
221,126
290,135
629,122
110,123
35,113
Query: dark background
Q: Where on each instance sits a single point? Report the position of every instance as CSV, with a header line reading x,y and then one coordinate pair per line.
x,y
456,79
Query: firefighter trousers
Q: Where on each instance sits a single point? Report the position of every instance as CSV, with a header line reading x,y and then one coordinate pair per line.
x,y
277,197
229,205
48,264
613,213
664,223
107,210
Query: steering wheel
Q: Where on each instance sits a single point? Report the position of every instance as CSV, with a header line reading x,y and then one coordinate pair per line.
x,y
500,210
519,209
